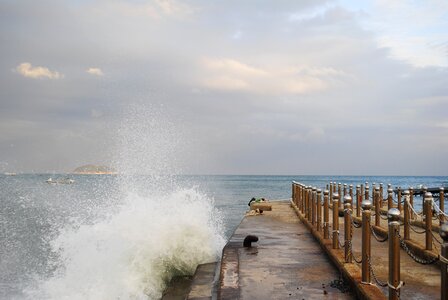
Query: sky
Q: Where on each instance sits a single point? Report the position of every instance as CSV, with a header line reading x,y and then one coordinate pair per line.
x,y
236,87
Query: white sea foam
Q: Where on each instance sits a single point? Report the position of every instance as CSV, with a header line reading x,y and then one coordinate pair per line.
x,y
134,253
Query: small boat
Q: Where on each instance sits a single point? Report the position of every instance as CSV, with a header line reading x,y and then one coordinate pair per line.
x,y
51,181
10,174
60,181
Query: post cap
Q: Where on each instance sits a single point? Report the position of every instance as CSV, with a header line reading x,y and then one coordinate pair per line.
x,y
441,189
425,188
326,192
389,185
381,184
345,184
444,232
377,188
366,205
406,193
336,196
314,188
411,188
428,196
358,186
319,191
347,199
390,190
393,214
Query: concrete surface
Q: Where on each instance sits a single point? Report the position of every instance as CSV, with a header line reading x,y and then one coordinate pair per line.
x,y
286,262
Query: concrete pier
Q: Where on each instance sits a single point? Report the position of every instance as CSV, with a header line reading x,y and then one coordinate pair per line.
x,y
286,262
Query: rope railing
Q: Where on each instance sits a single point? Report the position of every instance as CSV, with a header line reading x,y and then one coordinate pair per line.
x,y
309,205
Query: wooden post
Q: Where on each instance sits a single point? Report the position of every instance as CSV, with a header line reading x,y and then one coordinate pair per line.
x,y
428,220
444,262
382,194
347,228
365,266
390,199
326,215
319,209
407,235
313,205
441,205
394,254
376,201
424,190
358,200
331,193
351,194
362,192
340,193
366,192
335,221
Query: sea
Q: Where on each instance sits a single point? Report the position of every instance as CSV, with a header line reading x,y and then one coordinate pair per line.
x,y
100,237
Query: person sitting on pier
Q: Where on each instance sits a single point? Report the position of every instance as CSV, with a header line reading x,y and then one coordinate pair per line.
x,y
256,200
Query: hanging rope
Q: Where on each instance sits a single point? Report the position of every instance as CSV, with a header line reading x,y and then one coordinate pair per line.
x,y
376,237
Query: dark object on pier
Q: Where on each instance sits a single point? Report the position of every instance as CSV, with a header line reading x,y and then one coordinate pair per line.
x,y
420,191
249,240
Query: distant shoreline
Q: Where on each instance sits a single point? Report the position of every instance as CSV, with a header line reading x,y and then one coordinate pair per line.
x,y
94,173
94,170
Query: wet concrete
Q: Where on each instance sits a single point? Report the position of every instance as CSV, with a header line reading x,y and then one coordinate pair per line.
x,y
286,262
203,281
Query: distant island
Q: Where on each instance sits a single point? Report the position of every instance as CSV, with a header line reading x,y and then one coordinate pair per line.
x,y
93,169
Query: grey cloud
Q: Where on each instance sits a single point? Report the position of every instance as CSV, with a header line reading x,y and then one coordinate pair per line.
x,y
370,108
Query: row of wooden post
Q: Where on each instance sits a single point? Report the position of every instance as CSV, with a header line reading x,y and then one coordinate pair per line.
x,y
308,200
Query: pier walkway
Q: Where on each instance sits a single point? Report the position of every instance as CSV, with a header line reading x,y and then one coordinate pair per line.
x,y
286,262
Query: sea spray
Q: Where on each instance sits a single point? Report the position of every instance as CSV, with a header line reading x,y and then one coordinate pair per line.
x,y
134,253
159,229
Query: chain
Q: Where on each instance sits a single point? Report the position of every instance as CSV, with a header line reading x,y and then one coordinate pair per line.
x,y
413,256
350,245
380,283
353,254
376,237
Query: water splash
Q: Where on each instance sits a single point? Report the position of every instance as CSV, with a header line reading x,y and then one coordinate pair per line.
x,y
159,230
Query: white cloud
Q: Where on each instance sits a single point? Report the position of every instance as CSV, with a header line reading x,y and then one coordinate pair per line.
x,y
27,70
95,71
231,74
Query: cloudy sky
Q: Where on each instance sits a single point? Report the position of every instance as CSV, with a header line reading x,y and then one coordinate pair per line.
x,y
249,87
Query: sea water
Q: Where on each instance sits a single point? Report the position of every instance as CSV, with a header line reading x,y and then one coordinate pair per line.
x,y
126,236
94,240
